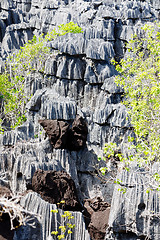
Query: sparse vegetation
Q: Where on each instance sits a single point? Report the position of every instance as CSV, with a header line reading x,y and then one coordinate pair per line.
x,y
66,227
31,57
140,78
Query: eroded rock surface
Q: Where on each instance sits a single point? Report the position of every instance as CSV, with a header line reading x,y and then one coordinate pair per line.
x,y
55,186
133,208
62,136
97,215
57,132
77,79
48,221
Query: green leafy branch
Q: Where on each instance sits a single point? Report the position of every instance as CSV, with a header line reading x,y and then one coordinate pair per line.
x,y
30,58
140,78
33,54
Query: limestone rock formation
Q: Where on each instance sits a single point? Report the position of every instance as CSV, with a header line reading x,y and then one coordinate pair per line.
x,y
77,79
96,211
57,132
47,220
63,137
56,186
137,211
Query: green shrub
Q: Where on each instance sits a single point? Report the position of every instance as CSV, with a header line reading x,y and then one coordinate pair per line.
x,y
31,57
140,78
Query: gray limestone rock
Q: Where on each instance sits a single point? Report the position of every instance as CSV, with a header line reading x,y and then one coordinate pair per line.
x,y
90,95
156,4
34,82
99,50
50,67
92,49
136,209
77,78
72,44
104,134
27,157
15,36
6,4
111,87
6,17
2,66
106,12
104,71
103,29
90,75
50,105
50,4
101,115
70,68
119,118
91,185
21,133
54,106
98,72
47,220
2,29
72,89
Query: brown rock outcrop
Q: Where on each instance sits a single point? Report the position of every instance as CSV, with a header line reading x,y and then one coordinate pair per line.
x,y
55,186
78,134
62,136
57,131
97,214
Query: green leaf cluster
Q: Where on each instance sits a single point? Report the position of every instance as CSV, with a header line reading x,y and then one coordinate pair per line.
x,y
140,78
13,100
33,54
31,57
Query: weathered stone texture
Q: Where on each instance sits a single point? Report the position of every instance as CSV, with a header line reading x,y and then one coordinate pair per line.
x,y
56,186
57,132
136,211
77,78
96,211
48,220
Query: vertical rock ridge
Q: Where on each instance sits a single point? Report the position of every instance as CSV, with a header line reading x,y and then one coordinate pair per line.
x,y
76,78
